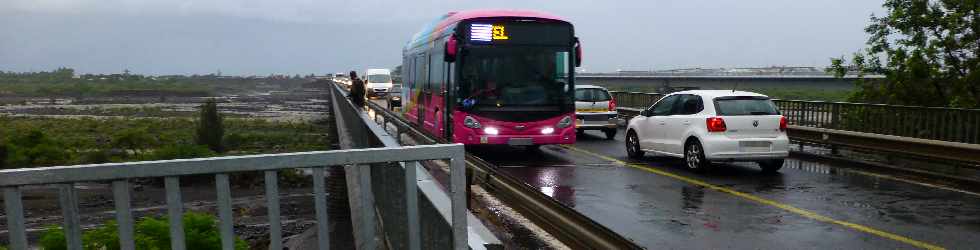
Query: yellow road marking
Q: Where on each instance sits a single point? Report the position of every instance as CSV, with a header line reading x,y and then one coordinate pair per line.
x,y
764,201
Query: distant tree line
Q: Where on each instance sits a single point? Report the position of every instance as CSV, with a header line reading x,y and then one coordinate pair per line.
x,y
66,82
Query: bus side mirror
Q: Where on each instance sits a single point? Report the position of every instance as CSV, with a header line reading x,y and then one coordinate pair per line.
x,y
578,53
450,51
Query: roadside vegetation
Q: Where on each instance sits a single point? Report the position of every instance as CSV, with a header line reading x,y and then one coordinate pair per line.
x,y
200,230
36,141
927,51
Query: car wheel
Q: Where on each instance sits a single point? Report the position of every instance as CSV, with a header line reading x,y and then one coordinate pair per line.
x,y
633,146
610,133
694,157
771,166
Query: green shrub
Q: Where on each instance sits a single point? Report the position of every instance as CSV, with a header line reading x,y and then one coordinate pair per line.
x,y
200,231
210,127
135,140
3,157
182,151
35,149
53,239
234,141
96,157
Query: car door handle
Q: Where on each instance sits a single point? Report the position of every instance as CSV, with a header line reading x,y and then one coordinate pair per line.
x,y
687,122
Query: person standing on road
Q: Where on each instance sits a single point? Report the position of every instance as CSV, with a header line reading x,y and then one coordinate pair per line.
x,y
356,90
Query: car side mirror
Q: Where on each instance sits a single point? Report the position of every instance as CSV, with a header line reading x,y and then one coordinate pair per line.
x,y
645,113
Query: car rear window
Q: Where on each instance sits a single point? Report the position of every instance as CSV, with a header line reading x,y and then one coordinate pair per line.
x,y
592,95
745,105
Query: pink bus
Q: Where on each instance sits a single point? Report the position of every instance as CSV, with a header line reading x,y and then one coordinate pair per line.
x,y
503,77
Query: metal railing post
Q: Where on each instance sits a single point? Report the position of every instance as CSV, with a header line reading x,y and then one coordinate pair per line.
x,y
272,198
124,217
320,201
15,217
226,220
175,212
458,184
412,206
69,210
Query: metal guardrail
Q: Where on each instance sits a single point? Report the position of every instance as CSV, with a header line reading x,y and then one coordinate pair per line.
x,y
635,99
566,224
119,173
930,149
935,123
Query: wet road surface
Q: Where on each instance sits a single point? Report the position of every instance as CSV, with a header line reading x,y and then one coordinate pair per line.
x,y
807,205
659,204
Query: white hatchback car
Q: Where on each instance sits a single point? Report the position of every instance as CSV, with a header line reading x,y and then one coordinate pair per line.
x,y
705,126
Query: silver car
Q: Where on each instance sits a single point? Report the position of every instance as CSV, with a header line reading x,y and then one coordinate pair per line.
x,y
595,109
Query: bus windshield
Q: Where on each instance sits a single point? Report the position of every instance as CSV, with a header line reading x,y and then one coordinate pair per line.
x,y
515,76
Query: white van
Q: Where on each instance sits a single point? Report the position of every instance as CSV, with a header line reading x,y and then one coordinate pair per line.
x,y
377,82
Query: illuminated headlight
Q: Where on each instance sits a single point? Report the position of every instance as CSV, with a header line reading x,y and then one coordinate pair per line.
x,y
469,122
547,131
564,122
491,131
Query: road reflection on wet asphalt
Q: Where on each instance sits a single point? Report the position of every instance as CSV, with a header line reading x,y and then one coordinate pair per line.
x,y
659,204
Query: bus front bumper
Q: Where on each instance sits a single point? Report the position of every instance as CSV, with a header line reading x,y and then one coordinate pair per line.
x,y
567,136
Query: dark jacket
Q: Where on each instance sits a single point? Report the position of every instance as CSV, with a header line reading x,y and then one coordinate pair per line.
x,y
357,92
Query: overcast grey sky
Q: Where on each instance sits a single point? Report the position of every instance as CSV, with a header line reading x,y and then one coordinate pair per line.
x,y
245,37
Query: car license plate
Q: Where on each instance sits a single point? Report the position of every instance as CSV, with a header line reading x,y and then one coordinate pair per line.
x,y
595,110
520,142
755,146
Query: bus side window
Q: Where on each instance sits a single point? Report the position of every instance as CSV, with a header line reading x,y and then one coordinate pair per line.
x,y
437,78
428,72
418,76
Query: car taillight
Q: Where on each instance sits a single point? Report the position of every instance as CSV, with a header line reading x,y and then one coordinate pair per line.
x,y
612,104
782,123
716,124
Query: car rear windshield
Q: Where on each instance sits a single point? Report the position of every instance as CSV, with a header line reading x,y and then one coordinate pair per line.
x,y
591,95
745,105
